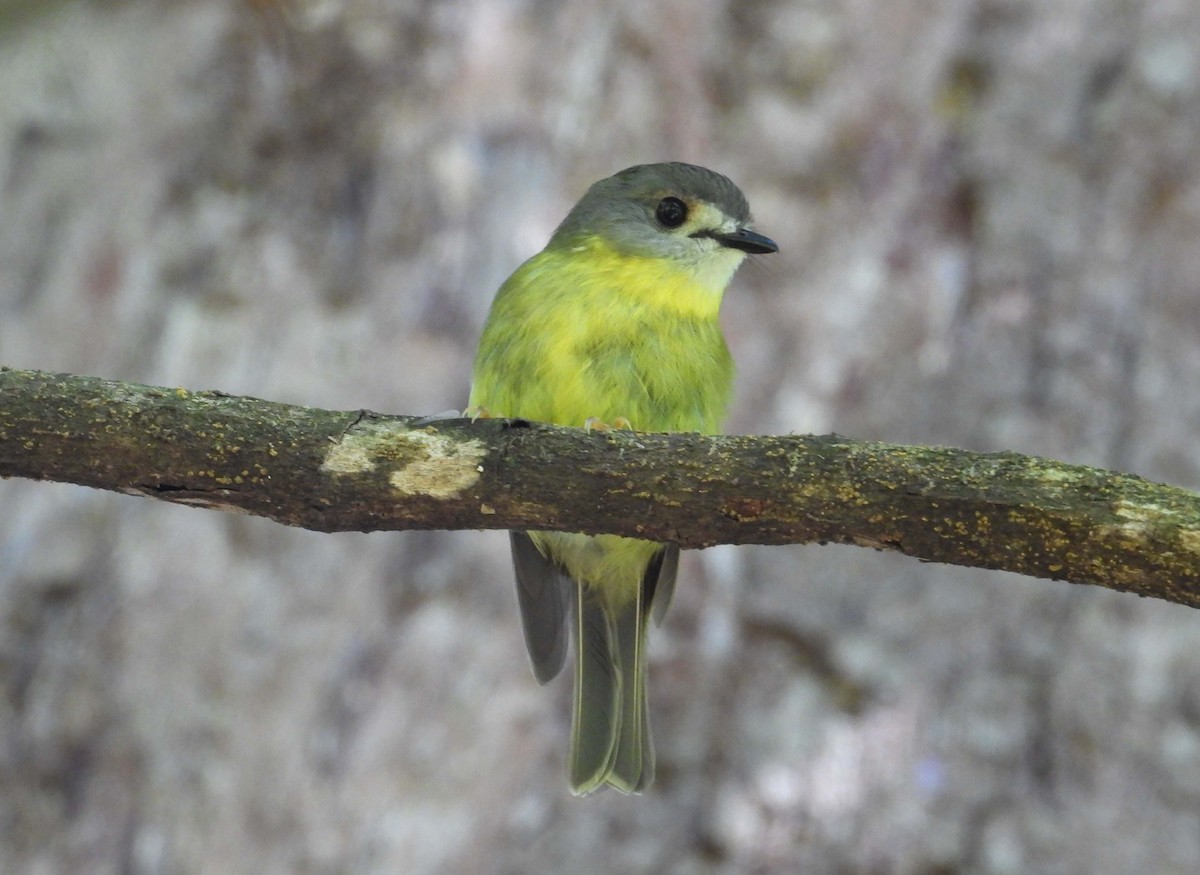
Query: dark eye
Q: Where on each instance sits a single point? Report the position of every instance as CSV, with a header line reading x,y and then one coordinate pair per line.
x,y
671,212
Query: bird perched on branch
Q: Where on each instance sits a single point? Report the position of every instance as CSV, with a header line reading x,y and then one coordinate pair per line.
x,y
614,324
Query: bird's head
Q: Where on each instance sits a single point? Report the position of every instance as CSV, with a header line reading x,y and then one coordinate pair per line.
x,y
692,216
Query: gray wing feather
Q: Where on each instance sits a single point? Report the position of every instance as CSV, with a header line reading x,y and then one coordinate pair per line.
x,y
662,589
542,594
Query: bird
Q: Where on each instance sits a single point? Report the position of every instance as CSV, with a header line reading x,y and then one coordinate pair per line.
x,y
614,324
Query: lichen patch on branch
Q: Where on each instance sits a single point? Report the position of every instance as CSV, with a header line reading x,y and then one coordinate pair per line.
x,y
1142,512
422,462
1189,539
350,455
448,467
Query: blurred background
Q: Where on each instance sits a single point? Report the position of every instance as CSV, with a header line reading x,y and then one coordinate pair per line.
x,y
988,214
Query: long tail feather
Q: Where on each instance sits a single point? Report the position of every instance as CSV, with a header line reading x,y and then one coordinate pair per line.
x,y
633,767
610,737
597,712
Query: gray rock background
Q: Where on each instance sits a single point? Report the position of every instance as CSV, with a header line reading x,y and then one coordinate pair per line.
x,y
989,213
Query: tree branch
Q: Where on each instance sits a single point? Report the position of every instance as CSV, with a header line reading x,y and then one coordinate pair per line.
x,y
362,471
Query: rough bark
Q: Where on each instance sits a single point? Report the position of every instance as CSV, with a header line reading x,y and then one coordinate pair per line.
x,y
364,471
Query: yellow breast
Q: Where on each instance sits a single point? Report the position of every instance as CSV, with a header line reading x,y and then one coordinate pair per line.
x,y
588,332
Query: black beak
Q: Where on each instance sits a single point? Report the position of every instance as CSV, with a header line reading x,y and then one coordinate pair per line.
x,y
743,239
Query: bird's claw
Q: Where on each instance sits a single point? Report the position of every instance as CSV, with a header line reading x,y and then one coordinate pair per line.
x,y
476,413
595,423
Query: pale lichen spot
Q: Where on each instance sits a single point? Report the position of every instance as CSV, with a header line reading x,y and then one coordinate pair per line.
x,y
1139,521
415,462
1189,539
443,469
1058,475
351,455
1140,513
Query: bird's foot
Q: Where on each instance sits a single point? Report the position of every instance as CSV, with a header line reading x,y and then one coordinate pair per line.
x,y
595,423
476,413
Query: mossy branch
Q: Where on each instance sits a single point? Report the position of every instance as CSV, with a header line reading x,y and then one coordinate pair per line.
x,y
362,471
